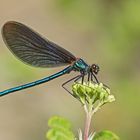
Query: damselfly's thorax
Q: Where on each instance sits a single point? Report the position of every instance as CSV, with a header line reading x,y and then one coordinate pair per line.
x,y
81,66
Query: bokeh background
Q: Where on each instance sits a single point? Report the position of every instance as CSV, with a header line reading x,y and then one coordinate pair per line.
x,y
106,32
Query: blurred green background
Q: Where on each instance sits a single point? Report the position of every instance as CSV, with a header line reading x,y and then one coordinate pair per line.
x,y
106,32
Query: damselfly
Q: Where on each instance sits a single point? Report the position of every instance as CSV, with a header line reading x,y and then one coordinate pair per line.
x,y
31,48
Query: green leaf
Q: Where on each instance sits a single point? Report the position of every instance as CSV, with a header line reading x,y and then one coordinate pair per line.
x,y
60,129
106,135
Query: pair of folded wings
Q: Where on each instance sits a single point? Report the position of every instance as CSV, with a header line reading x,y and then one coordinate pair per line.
x,y
32,49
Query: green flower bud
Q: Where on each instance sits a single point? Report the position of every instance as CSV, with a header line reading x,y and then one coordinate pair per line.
x,y
92,94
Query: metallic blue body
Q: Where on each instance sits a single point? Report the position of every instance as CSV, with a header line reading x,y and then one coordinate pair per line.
x,y
81,66
28,85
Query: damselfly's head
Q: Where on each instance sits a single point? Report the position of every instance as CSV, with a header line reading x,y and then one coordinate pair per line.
x,y
95,68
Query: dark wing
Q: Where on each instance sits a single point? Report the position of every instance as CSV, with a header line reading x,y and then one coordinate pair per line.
x,y
33,49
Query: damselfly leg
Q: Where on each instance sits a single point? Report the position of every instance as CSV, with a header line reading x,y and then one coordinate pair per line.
x,y
76,78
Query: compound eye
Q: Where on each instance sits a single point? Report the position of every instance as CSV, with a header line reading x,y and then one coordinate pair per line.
x,y
93,66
